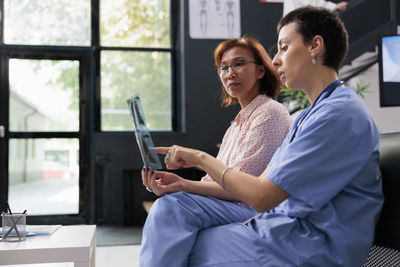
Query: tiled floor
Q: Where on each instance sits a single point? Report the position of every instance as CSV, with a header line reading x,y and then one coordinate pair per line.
x,y
121,256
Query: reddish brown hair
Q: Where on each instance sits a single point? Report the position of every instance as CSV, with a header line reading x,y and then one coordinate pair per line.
x,y
269,84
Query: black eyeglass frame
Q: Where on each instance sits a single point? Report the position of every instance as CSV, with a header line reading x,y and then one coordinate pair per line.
x,y
247,61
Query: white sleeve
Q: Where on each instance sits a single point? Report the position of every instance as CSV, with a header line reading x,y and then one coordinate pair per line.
x,y
290,5
318,3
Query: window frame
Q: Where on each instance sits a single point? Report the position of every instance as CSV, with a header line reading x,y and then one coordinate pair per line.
x,y
81,54
89,106
97,49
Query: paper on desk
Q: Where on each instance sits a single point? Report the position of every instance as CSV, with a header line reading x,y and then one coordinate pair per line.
x,y
42,229
39,229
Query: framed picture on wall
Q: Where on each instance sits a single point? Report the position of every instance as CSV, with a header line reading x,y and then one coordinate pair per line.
x,y
210,19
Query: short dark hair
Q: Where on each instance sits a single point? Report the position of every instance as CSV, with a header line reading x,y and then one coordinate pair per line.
x,y
312,21
269,84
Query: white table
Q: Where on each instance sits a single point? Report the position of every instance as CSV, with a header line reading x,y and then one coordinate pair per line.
x,y
75,243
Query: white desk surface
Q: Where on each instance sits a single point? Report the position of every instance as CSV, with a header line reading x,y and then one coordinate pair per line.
x,y
74,243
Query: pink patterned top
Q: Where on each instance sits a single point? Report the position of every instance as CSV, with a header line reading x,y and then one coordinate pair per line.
x,y
254,136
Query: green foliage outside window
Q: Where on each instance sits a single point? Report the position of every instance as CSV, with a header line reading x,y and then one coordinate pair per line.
x,y
125,73
133,24
47,22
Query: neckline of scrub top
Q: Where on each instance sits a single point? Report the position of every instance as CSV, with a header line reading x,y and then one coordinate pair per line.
x,y
329,89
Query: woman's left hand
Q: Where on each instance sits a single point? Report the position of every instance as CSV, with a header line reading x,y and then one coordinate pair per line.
x,y
160,182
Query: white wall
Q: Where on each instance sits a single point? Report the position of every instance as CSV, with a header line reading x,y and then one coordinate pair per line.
x,y
387,119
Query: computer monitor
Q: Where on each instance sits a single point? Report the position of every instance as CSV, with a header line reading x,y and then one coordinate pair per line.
x,y
389,70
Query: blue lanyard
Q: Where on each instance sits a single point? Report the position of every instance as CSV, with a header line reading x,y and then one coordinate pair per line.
x,y
329,89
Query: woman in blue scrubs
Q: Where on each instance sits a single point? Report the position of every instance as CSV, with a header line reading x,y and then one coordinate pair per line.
x,y
317,202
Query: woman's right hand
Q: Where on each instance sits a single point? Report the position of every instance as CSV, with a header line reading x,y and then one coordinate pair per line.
x,y
179,157
160,182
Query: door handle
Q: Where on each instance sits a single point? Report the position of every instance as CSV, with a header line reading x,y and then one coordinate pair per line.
x,y
2,131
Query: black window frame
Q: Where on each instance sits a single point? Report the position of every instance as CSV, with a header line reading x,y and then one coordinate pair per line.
x,y
90,103
97,49
81,54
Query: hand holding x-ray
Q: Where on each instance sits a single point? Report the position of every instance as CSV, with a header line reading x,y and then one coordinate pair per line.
x,y
143,138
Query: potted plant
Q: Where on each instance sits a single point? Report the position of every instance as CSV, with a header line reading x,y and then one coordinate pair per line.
x,y
296,99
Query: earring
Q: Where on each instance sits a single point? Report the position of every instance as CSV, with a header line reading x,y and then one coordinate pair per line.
x,y
313,61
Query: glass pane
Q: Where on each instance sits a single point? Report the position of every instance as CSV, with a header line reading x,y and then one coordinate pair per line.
x,y
47,22
125,73
44,176
135,23
46,98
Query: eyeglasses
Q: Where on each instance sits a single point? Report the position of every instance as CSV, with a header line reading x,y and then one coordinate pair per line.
x,y
236,66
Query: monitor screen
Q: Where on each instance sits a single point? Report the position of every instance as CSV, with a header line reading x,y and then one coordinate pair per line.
x,y
389,70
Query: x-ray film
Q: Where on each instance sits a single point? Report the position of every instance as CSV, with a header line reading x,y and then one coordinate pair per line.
x,y
143,138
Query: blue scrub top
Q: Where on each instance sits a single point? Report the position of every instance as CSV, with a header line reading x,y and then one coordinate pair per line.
x,y
331,171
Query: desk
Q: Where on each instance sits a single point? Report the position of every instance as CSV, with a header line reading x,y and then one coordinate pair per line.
x,y
75,243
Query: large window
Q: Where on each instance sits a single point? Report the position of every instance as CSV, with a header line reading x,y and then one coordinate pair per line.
x,y
136,59
47,22
67,68
47,98
44,134
135,23
134,44
125,73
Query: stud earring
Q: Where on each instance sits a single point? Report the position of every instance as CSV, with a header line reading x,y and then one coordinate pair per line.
x,y
313,61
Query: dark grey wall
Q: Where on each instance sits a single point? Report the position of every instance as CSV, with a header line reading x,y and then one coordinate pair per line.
x,y
206,120
117,179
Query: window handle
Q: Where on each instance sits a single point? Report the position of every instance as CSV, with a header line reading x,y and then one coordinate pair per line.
x,y
2,131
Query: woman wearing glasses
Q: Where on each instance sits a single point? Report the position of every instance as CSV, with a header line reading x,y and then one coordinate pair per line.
x,y
320,196
247,78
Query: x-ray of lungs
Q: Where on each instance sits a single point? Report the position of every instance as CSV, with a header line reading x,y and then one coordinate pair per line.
x,y
143,138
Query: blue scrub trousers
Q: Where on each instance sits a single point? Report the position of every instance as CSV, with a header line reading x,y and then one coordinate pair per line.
x,y
191,230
